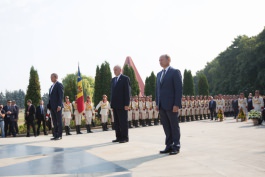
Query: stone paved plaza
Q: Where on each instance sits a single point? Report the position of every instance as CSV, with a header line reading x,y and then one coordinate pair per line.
x,y
209,149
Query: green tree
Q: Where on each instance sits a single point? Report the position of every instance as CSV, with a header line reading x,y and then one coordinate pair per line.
x,y
152,83
33,90
97,87
147,87
203,86
128,71
188,84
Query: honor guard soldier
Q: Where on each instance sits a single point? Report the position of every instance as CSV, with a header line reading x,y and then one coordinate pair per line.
x,y
192,108
155,114
258,103
89,112
183,109
105,107
206,108
135,108
142,108
242,103
220,104
201,107
197,108
130,114
187,108
78,117
67,113
149,111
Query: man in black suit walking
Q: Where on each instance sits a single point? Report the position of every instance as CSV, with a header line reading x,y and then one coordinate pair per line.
x,y
120,101
168,102
40,116
55,105
212,107
10,119
30,117
16,116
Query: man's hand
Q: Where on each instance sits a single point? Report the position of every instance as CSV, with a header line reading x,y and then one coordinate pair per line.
x,y
175,109
126,108
157,108
59,108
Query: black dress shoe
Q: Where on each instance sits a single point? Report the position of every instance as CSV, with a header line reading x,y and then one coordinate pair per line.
x,y
123,141
174,152
115,141
54,138
166,151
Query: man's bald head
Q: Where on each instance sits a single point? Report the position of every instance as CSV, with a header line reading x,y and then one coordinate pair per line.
x,y
117,70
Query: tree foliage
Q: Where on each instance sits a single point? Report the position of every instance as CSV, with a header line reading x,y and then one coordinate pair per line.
x,y
150,85
240,68
188,84
102,82
128,71
203,86
33,90
17,95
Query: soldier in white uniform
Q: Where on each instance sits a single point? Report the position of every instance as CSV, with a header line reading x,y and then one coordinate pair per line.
x,y
197,108
187,108
192,108
67,113
149,110
105,107
201,107
135,108
89,112
130,114
242,103
142,108
220,104
155,114
183,109
78,117
258,103
206,107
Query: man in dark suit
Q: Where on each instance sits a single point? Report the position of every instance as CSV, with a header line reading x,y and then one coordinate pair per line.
x,y
30,117
120,101
16,116
40,116
235,106
212,107
168,102
10,119
55,105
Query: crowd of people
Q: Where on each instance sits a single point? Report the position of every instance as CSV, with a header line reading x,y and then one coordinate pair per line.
x,y
141,112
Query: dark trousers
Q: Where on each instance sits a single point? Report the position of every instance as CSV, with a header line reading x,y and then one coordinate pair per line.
x,y
41,119
212,113
57,123
121,124
9,127
170,122
235,112
16,126
32,124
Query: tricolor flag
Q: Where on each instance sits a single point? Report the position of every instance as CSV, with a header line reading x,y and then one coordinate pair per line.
x,y
80,95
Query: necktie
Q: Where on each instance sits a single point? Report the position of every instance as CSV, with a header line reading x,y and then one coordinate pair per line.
x,y
41,108
115,80
162,77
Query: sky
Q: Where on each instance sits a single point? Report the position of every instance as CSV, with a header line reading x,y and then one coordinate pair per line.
x,y
56,35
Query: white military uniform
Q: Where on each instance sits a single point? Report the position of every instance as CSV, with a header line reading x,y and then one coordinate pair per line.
x,y
89,110
155,111
105,107
142,109
130,112
220,104
149,107
67,112
78,116
197,107
258,103
135,107
183,109
242,103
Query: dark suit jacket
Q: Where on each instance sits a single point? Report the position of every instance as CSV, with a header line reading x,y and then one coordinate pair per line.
x,y
38,113
235,104
13,111
169,92
17,112
56,96
213,105
250,106
32,112
120,93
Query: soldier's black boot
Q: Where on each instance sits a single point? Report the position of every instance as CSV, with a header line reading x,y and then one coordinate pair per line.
x,y
68,127
130,124
200,117
76,128
79,130
150,122
136,123
143,123
192,118
89,129
93,123
155,122
103,126
208,116
66,130
112,126
204,115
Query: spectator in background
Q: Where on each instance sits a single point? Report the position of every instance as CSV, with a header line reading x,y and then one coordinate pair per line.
x,y
30,116
2,122
40,116
10,119
250,107
16,116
